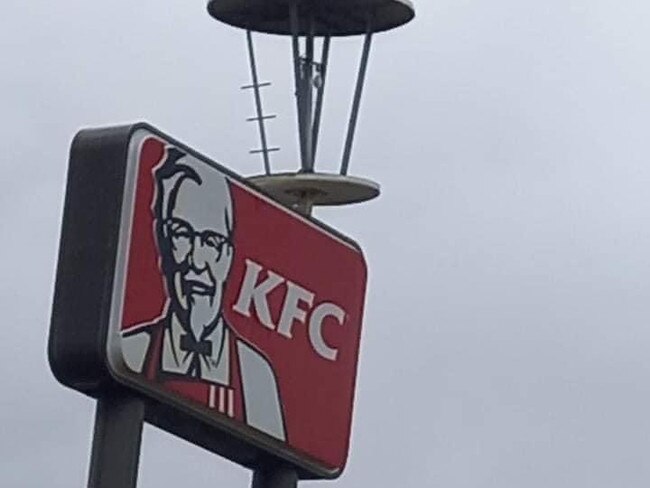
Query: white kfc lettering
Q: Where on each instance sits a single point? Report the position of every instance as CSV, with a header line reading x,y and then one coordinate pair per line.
x,y
252,293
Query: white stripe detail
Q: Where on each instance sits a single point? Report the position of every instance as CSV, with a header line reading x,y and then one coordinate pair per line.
x,y
212,395
231,403
222,400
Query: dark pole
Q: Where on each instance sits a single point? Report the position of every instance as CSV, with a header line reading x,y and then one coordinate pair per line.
x,y
116,442
319,98
308,103
356,102
299,81
279,477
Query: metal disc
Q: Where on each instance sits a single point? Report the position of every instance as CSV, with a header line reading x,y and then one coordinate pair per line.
x,y
316,188
330,17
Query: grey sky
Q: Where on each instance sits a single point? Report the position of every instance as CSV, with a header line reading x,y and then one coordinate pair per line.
x,y
507,330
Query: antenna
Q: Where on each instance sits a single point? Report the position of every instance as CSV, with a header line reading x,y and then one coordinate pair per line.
x,y
260,117
303,21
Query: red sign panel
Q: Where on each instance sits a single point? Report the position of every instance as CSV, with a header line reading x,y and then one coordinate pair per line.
x,y
229,304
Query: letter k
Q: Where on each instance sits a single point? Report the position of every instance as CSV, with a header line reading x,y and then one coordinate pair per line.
x,y
257,293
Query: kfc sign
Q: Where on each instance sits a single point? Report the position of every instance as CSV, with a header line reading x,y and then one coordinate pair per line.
x,y
238,319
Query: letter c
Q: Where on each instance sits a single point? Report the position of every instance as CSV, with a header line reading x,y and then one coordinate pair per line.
x,y
316,328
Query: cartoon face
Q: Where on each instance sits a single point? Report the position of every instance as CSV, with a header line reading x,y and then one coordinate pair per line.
x,y
196,228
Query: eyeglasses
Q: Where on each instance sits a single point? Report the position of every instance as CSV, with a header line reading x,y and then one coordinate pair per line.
x,y
182,234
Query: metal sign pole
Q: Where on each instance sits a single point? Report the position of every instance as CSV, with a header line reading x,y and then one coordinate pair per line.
x,y
280,477
116,441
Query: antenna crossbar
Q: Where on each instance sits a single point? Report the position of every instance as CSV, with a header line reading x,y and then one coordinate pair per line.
x,y
260,85
264,117
264,150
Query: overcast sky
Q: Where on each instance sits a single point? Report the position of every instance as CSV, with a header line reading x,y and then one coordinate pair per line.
x,y
507,331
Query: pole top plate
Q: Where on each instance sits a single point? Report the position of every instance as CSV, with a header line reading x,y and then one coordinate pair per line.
x,y
330,17
319,189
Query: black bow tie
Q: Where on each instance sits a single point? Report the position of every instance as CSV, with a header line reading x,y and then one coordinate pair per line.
x,y
190,344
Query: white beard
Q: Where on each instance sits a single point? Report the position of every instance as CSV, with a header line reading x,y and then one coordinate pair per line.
x,y
203,312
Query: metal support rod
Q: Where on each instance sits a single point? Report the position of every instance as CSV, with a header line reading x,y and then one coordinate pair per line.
x,y
258,102
319,98
356,102
298,75
116,442
279,477
309,93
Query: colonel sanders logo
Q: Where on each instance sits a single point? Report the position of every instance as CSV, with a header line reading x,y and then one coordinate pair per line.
x,y
190,349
